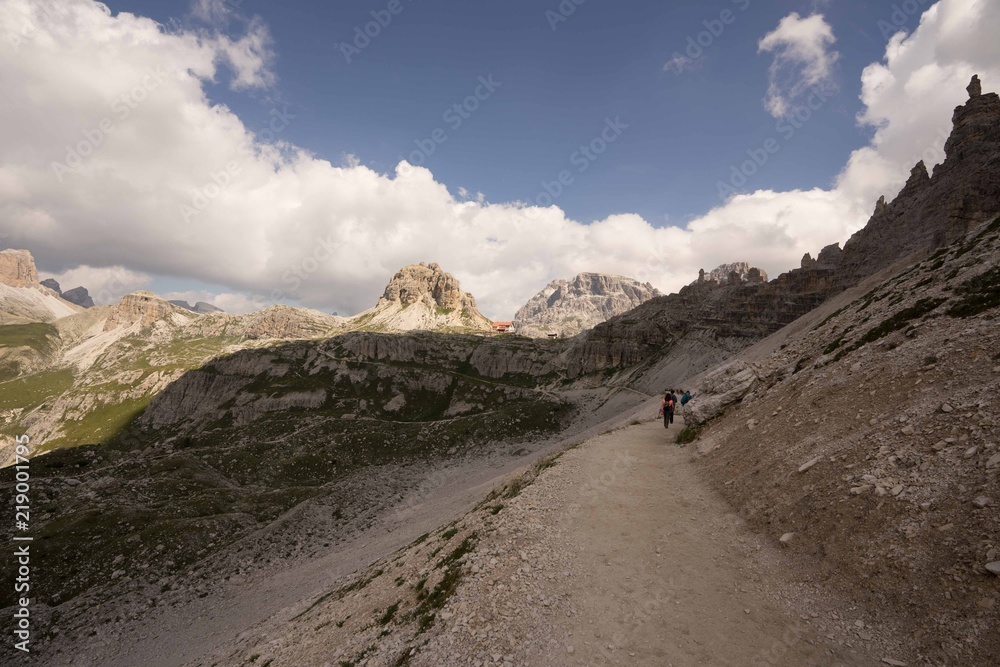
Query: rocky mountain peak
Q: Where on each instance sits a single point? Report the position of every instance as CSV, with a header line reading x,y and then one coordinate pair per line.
x,y
140,307
568,307
918,177
426,283
424,296
932,210
17,269
78,295
735,273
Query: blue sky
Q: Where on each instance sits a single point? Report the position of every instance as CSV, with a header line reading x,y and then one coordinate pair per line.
x,y
606,60
372,166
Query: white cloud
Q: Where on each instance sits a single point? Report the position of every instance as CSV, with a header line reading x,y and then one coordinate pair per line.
x,y
251,56
213,11
106,285
910,96
268,221
803,59
678,64
227,301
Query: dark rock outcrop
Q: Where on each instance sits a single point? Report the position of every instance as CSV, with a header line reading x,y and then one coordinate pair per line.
x,y
80,296
733,316
200,307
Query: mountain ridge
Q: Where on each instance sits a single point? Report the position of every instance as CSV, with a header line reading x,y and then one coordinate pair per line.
x,y
569,307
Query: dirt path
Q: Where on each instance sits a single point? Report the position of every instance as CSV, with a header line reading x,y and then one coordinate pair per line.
x,y
620,554
666,572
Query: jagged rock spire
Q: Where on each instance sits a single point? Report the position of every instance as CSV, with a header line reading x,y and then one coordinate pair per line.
x,y
975,87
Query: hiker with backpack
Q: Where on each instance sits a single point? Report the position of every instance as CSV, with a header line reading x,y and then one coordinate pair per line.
x,y
667,408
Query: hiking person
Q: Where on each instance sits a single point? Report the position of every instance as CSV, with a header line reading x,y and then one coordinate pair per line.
x,y
685,398
669,403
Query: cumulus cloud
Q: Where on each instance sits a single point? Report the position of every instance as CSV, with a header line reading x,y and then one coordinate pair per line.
x,y
113,156
231,303
106,285
909,97
250,56
803,59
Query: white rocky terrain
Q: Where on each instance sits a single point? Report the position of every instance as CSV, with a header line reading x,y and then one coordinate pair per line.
x,y
569,307
424,297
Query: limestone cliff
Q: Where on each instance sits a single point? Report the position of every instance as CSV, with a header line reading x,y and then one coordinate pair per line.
x,y
422,296
569,307
17,269
708,321
934,210
144,308
23,299
278,322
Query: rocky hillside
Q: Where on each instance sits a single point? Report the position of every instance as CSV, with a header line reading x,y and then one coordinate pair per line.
x,y
867,434
273,455
679,335
567,308
72,377
424,297
80,378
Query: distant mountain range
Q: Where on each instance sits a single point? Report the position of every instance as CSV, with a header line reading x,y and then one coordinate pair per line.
x,y
568,307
